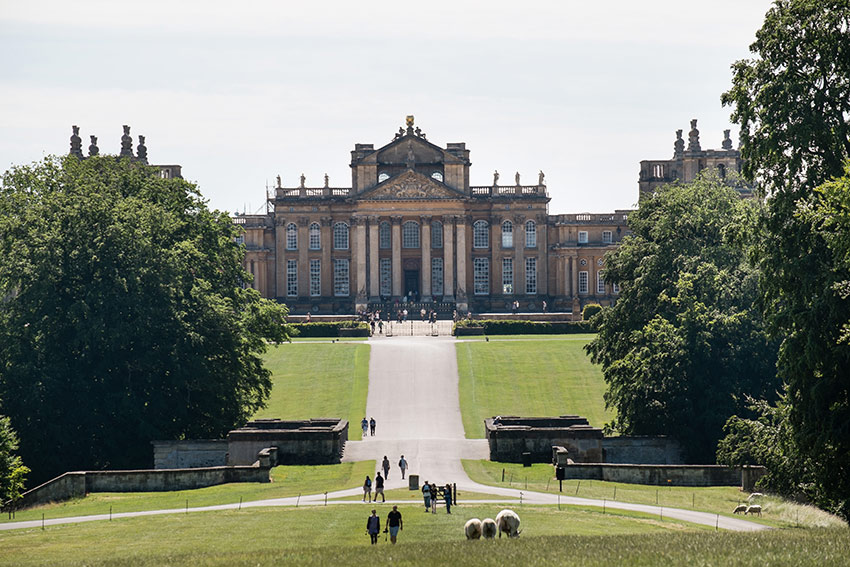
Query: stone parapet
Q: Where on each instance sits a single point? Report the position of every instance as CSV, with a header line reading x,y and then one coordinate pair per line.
x,y
510,436
298,442
657,475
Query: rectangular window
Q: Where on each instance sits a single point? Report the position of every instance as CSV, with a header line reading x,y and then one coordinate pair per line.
x,y
531,275
582,282
582,237
481,276
341,278
615,288
607,237
437,276
386,277
291,278
315,278
600,284
507,276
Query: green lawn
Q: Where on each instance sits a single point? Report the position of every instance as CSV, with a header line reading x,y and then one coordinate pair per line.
x,y
335,535
286,481
318,380
536,376
715,499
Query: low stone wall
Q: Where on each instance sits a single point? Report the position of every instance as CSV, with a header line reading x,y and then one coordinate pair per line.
x,y
78,484
303,442
550,317
657,475
636,450
189,454
510,436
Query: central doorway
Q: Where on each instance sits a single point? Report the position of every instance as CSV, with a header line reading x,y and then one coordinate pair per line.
x,y
411,284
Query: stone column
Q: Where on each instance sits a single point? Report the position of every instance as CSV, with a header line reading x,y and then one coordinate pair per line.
x,y
448,258
543,255
396,234
573,277
327,268
374,265
303,261
359,254
519,255
425,244
495,256
280,256
462,254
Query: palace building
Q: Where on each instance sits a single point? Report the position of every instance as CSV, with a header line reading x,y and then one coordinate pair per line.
x,y
411,229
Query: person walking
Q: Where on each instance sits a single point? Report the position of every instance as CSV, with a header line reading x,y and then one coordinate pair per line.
x,y
367,489
447,494
373,527
394,523
544,306
385,464
372,426
402,464
426,495
364,425
379,487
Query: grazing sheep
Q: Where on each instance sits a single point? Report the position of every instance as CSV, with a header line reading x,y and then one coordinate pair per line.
x,y
472,529
507,521
740,509
754,509
488,528
753,496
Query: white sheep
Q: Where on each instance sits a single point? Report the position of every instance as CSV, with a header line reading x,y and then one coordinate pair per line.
x,y
754,509
740,509
507,521
488,528
472,529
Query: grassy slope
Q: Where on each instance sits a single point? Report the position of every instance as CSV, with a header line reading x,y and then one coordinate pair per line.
x,y
533,377
335,536
287,481
715,499
319,380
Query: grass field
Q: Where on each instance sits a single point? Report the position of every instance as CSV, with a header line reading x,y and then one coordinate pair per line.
x,y
537,376
287,481
318,380
335,535
715,499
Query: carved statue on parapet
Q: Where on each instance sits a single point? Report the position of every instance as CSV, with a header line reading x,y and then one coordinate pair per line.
x,y
126,143
496,178
76,142
693,137
93,149
399,134
727,141
540,177
303,181
517,178
678,145
142,150
327,181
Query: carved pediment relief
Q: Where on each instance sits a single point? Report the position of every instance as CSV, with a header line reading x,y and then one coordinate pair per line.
x,y
398,152
411,185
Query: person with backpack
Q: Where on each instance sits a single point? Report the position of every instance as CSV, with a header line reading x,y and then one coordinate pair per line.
x,y
402,464
379,487
367,489
426,495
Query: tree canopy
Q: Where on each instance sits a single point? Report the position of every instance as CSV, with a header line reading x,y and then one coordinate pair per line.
x,y
685,341
12,470
792,100
123,316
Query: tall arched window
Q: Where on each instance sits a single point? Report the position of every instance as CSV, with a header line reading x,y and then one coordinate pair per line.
x,y
315,237
291,236
480,234
340,236
436,234
507,234
385,235
530,234
410,234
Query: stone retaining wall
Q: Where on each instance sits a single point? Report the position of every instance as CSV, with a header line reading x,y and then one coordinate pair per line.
x,y
318,441
189,454
657,475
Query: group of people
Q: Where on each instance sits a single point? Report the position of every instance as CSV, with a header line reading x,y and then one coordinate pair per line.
x,y
368,426
394,524
379,479
431,495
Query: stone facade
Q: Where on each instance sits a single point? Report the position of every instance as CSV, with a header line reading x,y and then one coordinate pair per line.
x,y
189,454
304,442
411,228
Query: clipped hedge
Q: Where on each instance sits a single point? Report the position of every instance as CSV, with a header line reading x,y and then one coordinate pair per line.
x,y
330,329
511,327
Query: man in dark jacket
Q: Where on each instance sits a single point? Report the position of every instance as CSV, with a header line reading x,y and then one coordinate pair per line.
x,y
373,527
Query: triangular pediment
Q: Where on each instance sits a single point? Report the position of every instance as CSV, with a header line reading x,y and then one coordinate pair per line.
x,y
410,185
398,152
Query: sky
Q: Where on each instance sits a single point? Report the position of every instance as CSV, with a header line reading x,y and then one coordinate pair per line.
x,y
240,92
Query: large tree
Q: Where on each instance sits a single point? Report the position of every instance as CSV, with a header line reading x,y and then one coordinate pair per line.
x,y
685,340
12,470
123,318
792,100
